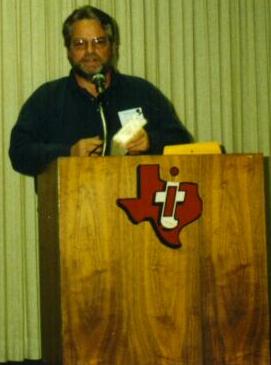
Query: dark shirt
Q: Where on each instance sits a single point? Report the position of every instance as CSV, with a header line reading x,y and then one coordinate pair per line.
x,y
59,113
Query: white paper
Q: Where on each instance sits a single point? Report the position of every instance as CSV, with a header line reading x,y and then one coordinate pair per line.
x,y
125,134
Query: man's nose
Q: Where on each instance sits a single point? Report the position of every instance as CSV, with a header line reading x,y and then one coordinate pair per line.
x,y
90,47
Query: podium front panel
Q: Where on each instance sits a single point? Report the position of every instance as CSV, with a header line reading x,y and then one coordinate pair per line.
x,y
114,294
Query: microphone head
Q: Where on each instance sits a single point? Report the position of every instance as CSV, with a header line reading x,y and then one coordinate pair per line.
x,y
98,80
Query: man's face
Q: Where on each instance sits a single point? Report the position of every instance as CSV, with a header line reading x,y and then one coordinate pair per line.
x,y
90,50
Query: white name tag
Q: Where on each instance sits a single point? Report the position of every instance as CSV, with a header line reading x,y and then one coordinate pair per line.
x,y
130,114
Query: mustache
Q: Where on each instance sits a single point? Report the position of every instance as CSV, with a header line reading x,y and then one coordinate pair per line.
x,y
91,57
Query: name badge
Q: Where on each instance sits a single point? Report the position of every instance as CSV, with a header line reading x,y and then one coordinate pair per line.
x,y
130,114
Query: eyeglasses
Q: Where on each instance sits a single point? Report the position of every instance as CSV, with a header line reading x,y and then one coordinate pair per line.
x,y
82,43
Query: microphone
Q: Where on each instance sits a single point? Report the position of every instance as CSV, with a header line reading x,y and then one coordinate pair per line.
x,y
98,80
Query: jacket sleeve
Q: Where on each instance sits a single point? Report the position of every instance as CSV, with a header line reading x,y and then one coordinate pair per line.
x,y
29,150
164,127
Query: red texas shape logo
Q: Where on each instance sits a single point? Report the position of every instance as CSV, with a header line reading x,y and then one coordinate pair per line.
x,y
168,205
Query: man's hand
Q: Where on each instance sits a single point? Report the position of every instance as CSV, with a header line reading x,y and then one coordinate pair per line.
x,y
139,143
87,147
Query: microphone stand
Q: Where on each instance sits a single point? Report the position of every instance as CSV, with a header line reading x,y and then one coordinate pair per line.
x,y
99,81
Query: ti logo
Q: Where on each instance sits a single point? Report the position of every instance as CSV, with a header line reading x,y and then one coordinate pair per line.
x,y
168,205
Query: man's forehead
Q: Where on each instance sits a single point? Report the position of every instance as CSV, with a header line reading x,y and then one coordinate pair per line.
x,y
88,26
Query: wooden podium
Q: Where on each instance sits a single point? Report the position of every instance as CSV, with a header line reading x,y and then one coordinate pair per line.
x,y
113,294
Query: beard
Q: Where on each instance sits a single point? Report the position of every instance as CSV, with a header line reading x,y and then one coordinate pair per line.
x,y
85,74
82,69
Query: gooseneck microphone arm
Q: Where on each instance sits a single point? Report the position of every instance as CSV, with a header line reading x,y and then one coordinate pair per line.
x,y
98,80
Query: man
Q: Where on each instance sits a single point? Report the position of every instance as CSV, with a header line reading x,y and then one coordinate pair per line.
x,y
73,116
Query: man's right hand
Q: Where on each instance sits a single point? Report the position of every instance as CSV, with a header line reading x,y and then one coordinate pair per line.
x,y
87,147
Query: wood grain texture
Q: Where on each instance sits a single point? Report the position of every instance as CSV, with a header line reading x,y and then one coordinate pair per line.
x,y
50,281
127,299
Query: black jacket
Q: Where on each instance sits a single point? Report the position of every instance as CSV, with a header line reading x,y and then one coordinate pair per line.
x,y
59,113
